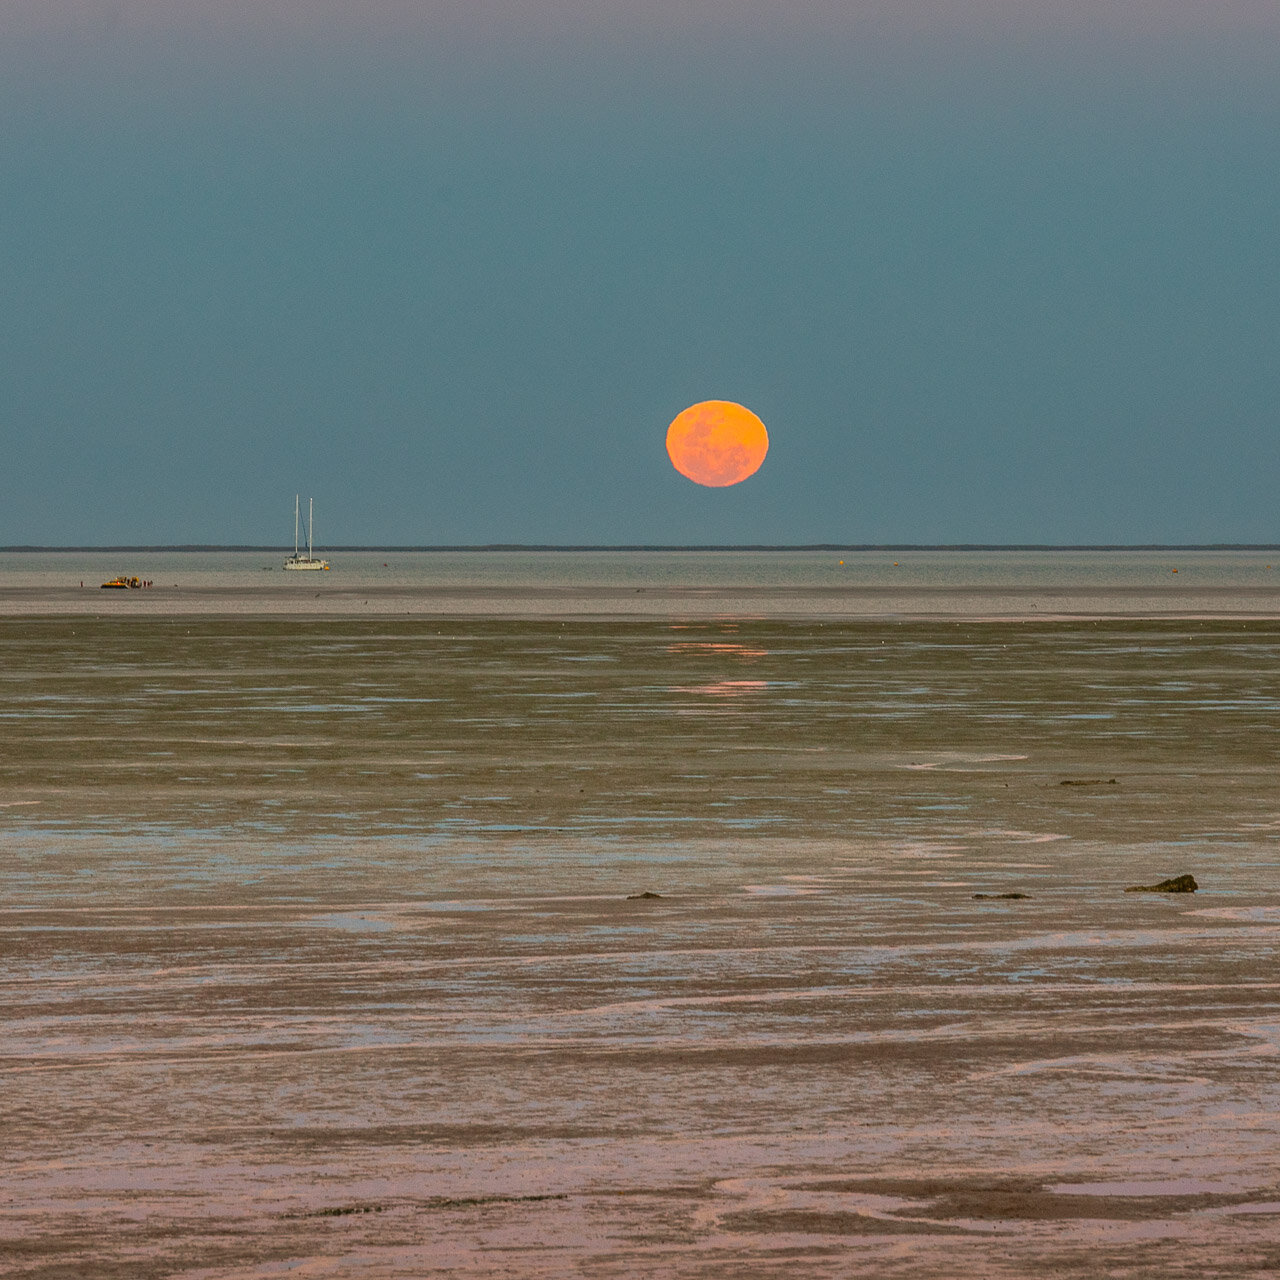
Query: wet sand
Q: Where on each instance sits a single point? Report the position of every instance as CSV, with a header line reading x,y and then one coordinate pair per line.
x,y
321,956
334,596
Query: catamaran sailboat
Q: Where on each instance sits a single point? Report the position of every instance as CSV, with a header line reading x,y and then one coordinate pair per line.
x,y
308,561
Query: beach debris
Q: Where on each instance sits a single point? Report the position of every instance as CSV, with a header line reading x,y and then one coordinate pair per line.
x,y
338,1211
1087,782
1177,884
1002,895
647,894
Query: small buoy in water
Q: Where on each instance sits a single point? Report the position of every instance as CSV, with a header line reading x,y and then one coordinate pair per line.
x,y
842,562
1175,571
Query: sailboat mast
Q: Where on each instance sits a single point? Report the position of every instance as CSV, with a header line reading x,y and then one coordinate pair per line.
x,y
295,525
311,507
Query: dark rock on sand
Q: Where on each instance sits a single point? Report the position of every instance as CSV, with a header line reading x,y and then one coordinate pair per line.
x,y
636,897
1002,895
1179,884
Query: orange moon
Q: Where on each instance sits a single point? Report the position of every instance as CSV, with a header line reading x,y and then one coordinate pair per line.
x,y
717,443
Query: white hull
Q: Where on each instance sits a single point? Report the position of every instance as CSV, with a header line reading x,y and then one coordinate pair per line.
x,y
301,562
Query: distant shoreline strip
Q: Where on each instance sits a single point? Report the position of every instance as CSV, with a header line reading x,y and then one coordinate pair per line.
x,y
741,546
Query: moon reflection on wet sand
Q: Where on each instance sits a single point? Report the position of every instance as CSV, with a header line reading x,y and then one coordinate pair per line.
x,y
320,956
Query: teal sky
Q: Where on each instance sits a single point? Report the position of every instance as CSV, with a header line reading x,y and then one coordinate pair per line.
x,y
989,272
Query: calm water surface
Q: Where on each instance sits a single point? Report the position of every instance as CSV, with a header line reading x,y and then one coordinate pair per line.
x,y
898,569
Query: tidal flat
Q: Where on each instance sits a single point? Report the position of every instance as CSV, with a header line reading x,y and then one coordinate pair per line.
x,y
323,954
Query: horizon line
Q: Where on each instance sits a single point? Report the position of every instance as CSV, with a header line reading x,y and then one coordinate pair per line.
x,y
660,546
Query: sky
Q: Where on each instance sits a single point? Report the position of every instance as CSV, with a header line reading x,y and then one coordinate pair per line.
x,y
993,271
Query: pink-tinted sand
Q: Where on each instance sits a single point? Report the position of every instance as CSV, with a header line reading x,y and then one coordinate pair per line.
x,y
320,957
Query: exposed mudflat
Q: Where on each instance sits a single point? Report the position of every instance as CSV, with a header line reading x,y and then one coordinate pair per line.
x,y
320,956
338,596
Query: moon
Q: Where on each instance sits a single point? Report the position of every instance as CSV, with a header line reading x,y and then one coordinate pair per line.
x,y
717,443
